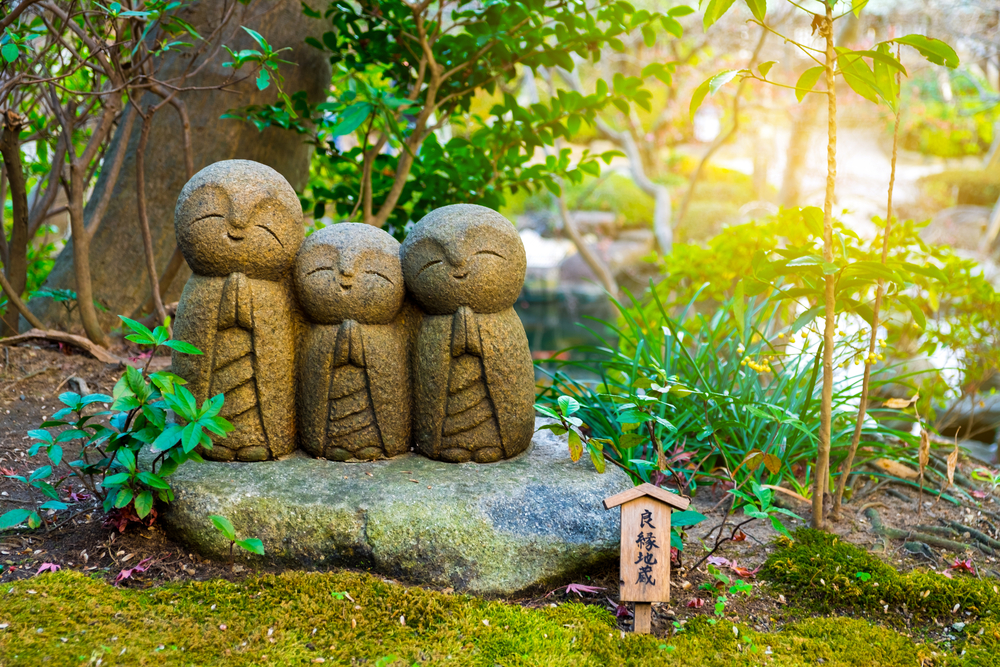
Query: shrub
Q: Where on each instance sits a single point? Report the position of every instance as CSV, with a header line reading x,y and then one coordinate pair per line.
x,y
966,187
109,465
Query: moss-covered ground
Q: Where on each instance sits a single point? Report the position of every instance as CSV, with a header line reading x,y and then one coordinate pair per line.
x,y
347,618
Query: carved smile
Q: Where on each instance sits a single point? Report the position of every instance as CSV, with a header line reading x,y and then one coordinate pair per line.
x,y
460,276
234,237
346,286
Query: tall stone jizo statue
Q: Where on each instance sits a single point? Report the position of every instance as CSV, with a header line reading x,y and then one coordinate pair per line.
x,y
474,382
317,344
354,379
239,225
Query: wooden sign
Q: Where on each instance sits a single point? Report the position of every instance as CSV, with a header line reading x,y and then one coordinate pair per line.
x,y
645,547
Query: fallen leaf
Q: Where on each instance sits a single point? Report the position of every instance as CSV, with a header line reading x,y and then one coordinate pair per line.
x,y
965,565
718,561
580,589
896,469
696,603
48,567
739,536
900,403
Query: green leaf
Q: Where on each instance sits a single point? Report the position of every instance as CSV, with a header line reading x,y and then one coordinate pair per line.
x,y
263,79
181,346
739,310
597,458
918,315
139,328
568,405
167,439
53,505
127,459
715,10
115,480
9,52
932,49
253,545
686,518
351,119
143,504
764,68
859,77
123,498
699,96
152,480
758,8
648,36
575,446
13,518
223,525
261,42
806,82
628,440
55,454
721,79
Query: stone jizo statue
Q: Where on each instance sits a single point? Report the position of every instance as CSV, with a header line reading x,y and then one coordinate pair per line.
x,y
354,377
239,225
473,376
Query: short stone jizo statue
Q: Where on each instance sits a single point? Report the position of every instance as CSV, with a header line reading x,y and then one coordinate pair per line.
x,y
354,377
239,225
473,376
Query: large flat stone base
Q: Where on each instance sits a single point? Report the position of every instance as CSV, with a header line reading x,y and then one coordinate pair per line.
x,y
492,529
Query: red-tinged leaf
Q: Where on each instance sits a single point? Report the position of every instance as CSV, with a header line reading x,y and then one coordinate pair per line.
x,y
48,567
948,574
695,603
719,561
621,611
744,572
979,494
740,536
580,589
965,565
127,573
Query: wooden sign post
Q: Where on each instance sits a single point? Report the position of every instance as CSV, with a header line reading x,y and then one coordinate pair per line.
x,y
645,547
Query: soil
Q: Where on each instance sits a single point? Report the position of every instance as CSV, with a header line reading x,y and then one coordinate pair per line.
x,y
32,376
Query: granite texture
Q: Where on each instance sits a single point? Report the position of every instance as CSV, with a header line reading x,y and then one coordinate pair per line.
x,y
494,530
239,226
354,376
474,379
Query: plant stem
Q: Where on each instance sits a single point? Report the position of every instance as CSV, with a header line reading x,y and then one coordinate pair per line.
x,y
879,293
826,407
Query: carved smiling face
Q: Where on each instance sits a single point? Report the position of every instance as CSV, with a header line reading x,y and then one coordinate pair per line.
x,y
238,216
464,255
350,271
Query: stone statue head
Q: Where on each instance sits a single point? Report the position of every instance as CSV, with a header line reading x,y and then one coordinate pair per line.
x,y
464,255
238,216
350,271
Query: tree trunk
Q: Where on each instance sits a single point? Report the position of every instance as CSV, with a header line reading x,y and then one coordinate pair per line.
x,y
117,259
17,250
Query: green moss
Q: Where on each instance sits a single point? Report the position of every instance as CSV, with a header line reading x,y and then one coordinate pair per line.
x,y
295,618
820,567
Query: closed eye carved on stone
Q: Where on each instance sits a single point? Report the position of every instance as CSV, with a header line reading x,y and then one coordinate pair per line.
x,y
321,268
490,252
429,265
380,275
268,230
207,216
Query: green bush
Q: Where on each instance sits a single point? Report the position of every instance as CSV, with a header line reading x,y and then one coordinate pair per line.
x,y
963,187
